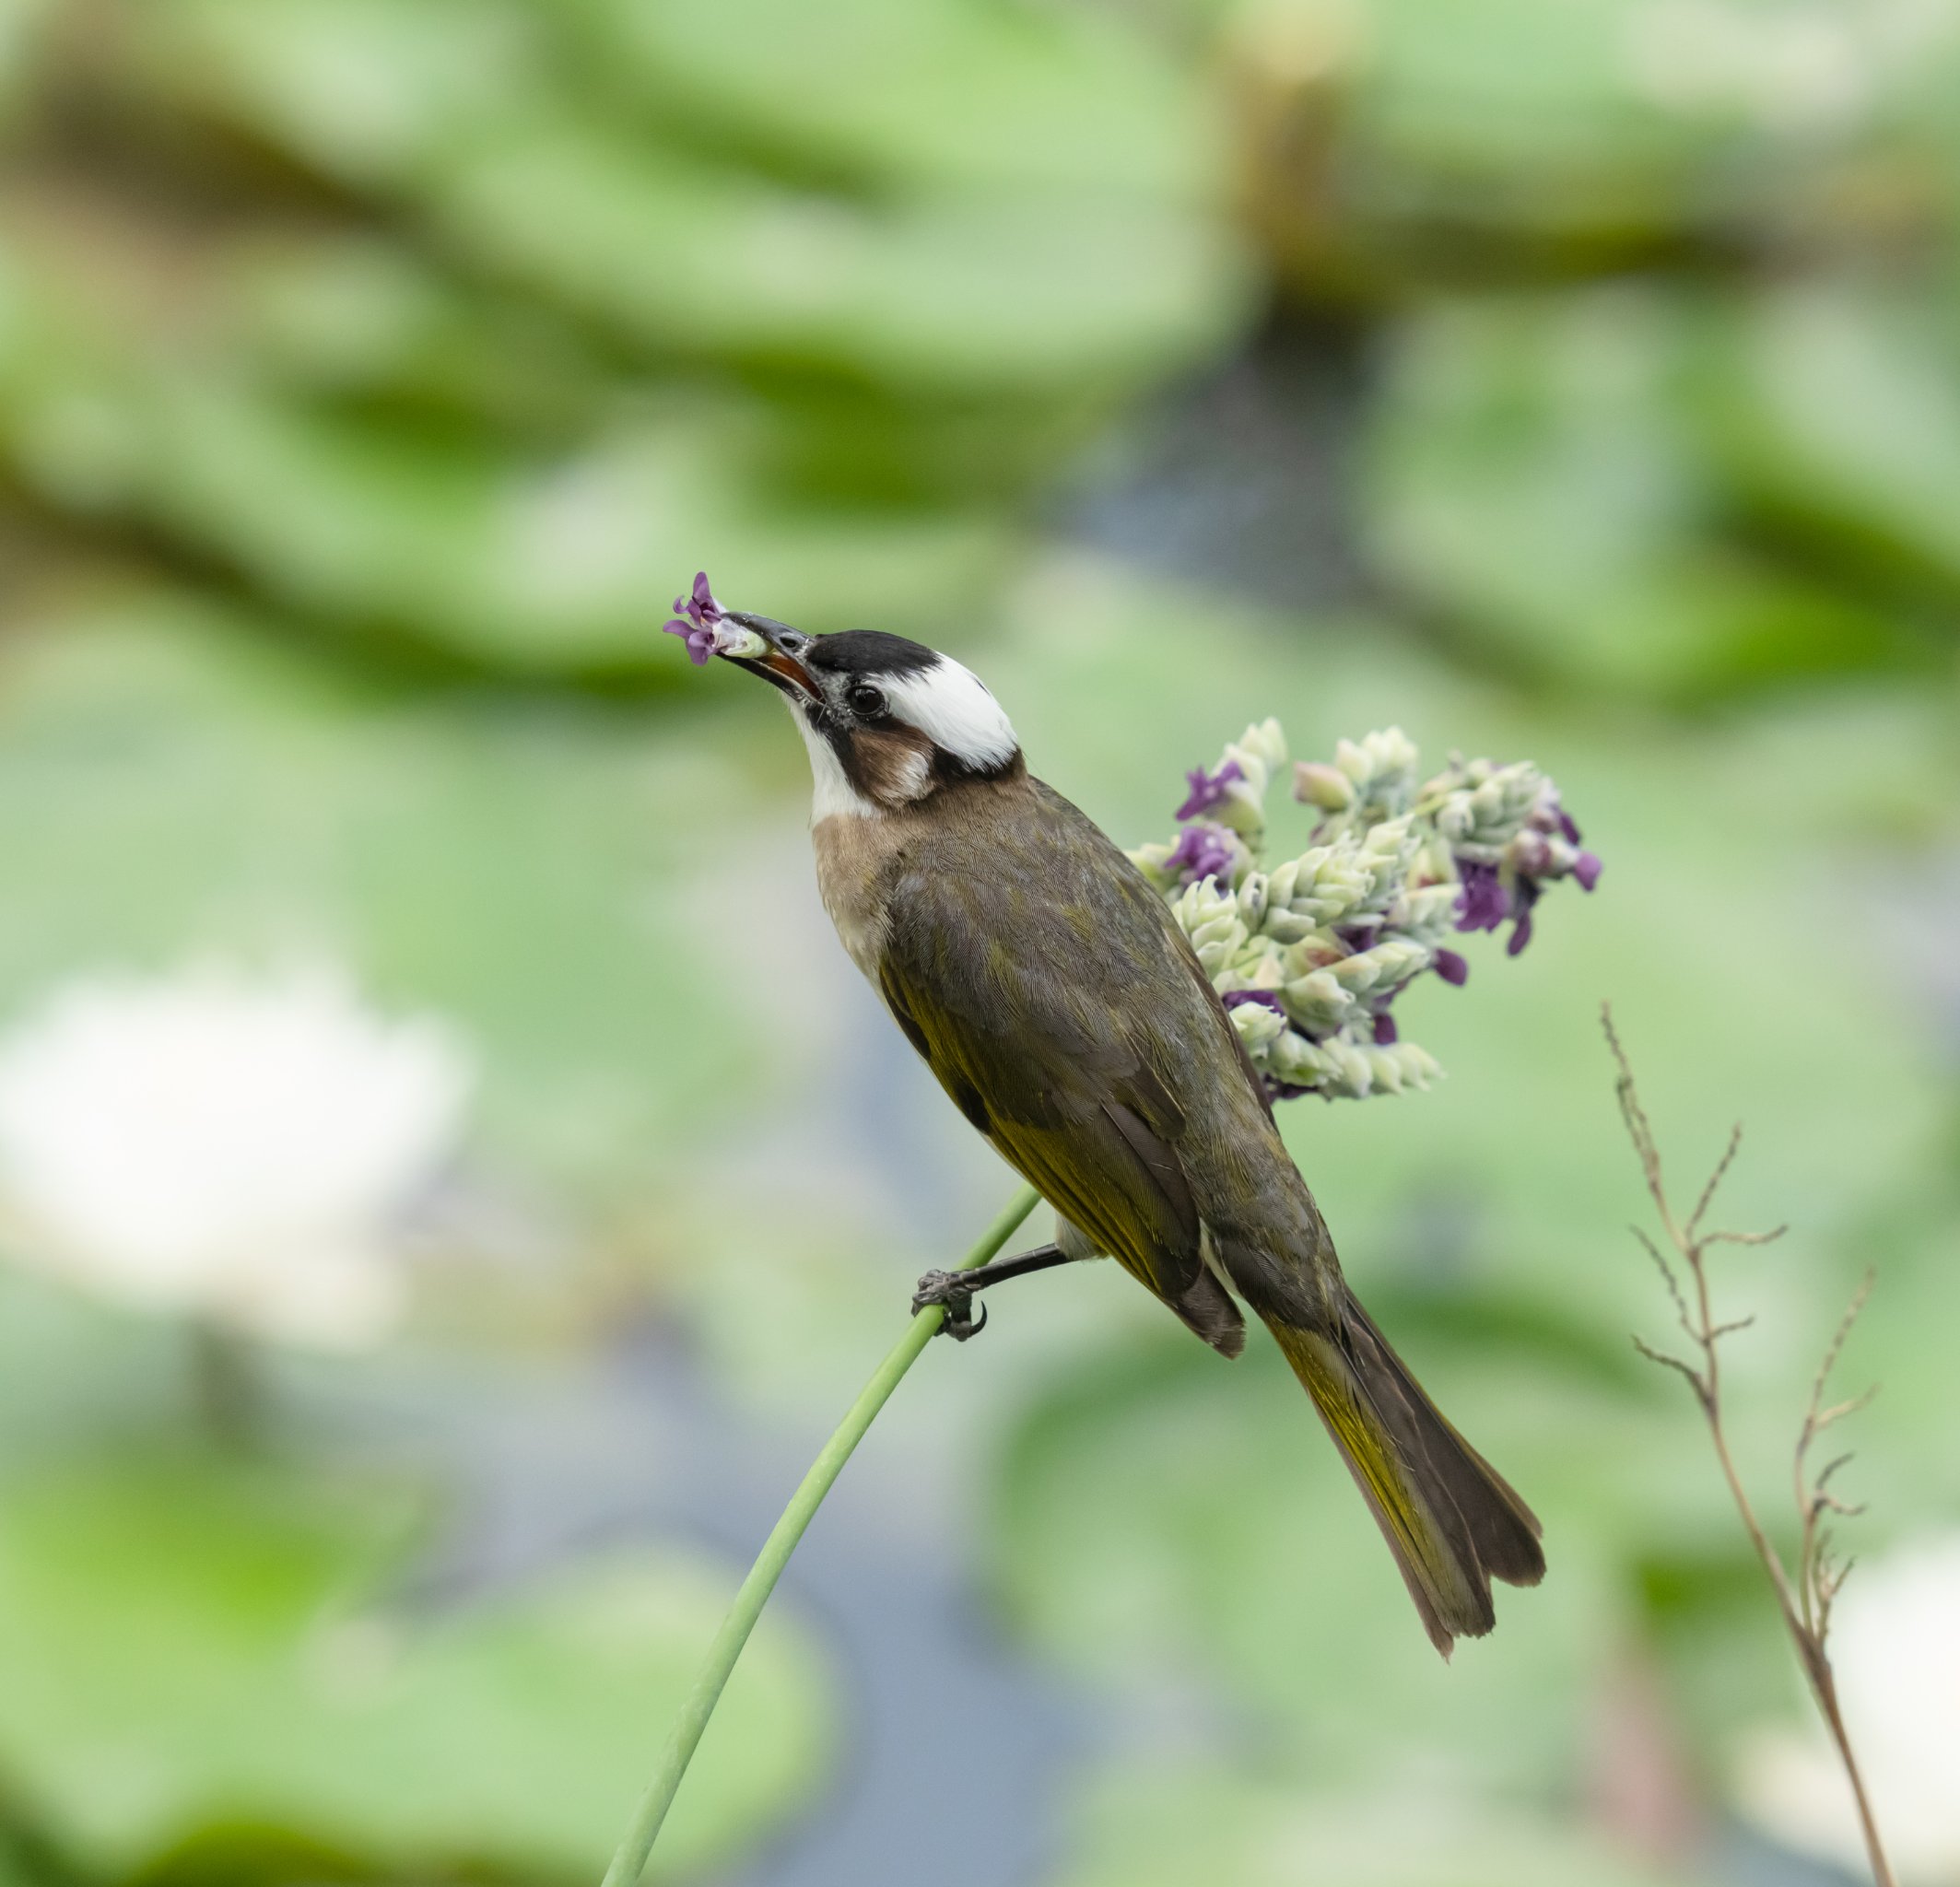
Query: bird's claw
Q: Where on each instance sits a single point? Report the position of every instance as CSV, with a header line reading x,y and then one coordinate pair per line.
x,y
945,1288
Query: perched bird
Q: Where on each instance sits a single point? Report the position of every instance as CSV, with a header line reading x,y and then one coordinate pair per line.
x,y
1047,985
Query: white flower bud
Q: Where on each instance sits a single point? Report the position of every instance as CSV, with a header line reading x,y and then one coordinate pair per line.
x,y
1350,1072
1387,965
1317,784
1294,1059
1318,1003
1149,860
1427,914
1258,1026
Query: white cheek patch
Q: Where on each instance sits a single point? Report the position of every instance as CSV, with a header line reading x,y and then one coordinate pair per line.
x,y
914,777
951,707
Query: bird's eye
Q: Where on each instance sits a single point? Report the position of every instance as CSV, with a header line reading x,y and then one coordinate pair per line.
x,y
867,701
793,642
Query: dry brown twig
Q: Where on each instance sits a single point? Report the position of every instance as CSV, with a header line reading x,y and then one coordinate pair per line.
x,y
1805,1597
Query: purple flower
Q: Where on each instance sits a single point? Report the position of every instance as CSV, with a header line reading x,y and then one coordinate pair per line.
x,y
1452,968
699,617
1201,852
1238,997
1525,896
1483,903
1587,870
1385,1030
1207,790
1567,826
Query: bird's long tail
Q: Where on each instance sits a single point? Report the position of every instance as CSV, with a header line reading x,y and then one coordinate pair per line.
x,y
1451,1520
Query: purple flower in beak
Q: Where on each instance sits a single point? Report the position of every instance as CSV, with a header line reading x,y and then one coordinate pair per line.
x,y
1587,870
699,617
1201,852
1237,998
1208,790
1452,968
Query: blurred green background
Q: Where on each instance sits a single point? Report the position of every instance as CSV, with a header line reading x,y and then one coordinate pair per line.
x,y
1577,380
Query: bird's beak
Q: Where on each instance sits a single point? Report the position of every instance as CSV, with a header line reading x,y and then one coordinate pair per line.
x,y
768,655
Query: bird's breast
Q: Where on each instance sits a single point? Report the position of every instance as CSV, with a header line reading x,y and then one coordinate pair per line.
x,y
853,852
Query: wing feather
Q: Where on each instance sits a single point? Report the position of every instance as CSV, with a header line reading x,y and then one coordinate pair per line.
x,y
1033,1026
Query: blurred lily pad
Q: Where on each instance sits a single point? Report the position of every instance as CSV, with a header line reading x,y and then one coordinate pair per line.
x,y
1397,145
253,1683
1163,1828
1541,484
541,560
1835,412
1025,282
938,93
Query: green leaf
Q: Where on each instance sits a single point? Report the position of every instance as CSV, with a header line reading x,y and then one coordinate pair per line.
x,y
194,1654
1836,410
1152,1826
1405,144
542,561
1039,282
920,94
1538,481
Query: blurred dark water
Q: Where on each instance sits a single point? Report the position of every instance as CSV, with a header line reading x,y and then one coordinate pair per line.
x,y
1244,478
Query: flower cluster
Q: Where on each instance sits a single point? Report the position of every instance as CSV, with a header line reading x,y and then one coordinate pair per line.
x,y
1312,954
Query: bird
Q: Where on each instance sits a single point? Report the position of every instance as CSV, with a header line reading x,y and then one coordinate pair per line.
x,y
1048,988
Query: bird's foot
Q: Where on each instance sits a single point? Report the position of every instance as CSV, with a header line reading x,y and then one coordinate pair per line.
x,y
951,1291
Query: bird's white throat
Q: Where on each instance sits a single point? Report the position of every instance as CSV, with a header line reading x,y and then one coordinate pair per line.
x,y
833,794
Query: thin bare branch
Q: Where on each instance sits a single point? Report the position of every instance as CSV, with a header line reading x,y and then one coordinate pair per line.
x,y
1670,1280
1638,1128
1830,1468
1832,1351
1667,1362
1806,1599
1715,1179
1768,1237
1838,1410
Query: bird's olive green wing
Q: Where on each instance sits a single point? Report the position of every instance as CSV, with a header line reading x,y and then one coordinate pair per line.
x,y
1070,1125
1034,1014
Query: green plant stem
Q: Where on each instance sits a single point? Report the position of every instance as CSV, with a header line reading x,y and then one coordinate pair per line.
x,y
701,1701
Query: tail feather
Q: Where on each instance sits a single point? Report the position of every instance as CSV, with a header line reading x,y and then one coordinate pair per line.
x,y
1451,1520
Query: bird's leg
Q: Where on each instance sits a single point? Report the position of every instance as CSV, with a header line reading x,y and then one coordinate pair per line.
x,y
955,1290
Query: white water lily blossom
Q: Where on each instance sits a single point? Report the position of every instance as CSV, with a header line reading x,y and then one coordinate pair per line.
x,y
235,1149
1896,1649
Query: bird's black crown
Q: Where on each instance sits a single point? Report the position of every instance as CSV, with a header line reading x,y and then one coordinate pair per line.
x,y
867,651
